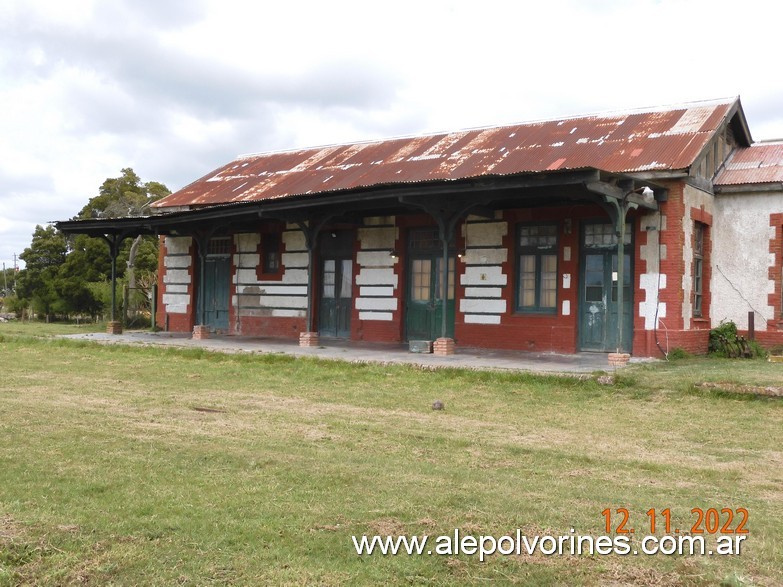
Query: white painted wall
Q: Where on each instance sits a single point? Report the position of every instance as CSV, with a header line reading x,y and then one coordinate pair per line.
x,y
652,282
741,257
378,283
483,273
284,298
176,280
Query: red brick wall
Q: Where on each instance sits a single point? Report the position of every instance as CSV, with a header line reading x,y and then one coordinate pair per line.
x,y
543,332
673,266
270,326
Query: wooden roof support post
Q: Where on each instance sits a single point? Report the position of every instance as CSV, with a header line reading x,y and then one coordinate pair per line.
x,y
618,199
618,212
447,213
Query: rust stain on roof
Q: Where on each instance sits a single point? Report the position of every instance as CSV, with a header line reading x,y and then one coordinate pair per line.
x,y
659,139
759,163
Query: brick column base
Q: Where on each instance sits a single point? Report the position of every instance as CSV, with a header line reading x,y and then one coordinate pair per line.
x,y
114,327
309,339
618,359
443,346
200,332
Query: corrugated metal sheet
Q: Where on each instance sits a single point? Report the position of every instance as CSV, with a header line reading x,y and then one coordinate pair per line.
x,y
660,139
761,163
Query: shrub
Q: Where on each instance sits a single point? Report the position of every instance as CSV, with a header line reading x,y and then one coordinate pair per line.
x,y
678,353
726,343
726,331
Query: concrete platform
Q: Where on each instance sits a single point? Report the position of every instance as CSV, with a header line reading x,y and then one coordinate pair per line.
x,y
337,349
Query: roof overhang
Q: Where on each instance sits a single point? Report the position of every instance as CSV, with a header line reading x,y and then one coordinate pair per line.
x,y
748,188
522,190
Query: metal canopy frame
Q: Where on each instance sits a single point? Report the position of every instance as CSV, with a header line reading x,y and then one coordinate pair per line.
x,y
447,202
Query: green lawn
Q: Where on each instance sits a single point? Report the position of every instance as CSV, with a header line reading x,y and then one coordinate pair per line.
x,y
143,466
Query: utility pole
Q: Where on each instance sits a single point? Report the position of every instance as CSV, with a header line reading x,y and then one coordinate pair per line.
x,y
5,279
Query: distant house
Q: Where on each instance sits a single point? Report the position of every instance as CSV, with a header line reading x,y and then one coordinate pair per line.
x,y
520,223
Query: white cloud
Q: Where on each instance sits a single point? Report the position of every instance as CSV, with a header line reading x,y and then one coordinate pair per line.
x,y
177,88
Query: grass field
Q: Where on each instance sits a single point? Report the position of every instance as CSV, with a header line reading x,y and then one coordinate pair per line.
x,y
143,466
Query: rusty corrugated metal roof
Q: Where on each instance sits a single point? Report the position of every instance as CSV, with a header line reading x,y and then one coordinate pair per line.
x,y
652,140
759,163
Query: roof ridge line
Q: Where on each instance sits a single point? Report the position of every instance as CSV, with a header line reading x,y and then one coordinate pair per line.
x,y
603,114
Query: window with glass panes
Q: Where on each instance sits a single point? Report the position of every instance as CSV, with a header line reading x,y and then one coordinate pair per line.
x,y
698,268
271,253
537,268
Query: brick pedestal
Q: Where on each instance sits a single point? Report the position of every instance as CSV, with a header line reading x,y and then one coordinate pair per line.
x,y
114,327
443,346
309,339
200,332
619,359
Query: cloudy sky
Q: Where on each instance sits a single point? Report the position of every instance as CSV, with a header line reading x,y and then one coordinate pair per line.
x,y
176,88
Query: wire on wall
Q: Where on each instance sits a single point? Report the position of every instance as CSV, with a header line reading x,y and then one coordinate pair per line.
x,y
734,287
657,296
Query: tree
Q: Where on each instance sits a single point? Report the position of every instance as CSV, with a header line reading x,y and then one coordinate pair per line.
x,y
63,273
43,259
119,197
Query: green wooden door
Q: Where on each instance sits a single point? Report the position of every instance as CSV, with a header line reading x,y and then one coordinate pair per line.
x,y
424,303
336,298
216,283
598,291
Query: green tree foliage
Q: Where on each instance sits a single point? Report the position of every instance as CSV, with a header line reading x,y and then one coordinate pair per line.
x,y
62,272
38,282
117,197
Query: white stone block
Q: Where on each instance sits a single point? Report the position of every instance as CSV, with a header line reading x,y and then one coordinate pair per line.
x,y
485,256
175,288
482,319
377,277
290,290
176,276
483,292
295,260
376,291
294,240
175,299
245,277
378,238
485,234
176,262
247,242
375,259
296,276
178,245
380,316
282,302
485,306
247,260
376,304
484,276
